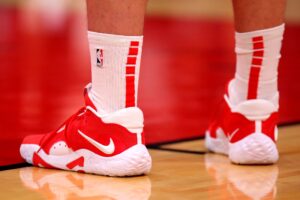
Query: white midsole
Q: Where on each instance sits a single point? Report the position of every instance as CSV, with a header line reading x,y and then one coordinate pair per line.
x,y
218,144
257,148
134,161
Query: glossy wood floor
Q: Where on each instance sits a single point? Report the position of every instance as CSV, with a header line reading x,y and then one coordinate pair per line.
x,y
175,175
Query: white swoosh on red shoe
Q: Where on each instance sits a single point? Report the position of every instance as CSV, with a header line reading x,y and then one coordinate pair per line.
x,y
232,134
107,149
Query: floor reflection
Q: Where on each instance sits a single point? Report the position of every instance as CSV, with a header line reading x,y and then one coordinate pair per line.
x,y
242,182
54,184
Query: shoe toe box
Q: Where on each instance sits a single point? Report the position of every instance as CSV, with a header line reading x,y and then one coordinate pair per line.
x,y
29,146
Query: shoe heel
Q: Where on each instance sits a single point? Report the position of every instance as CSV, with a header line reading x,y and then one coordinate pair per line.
x,y
132,162
256,148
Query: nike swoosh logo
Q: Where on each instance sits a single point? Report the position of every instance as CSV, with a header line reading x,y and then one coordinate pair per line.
x,y
107,149
233,133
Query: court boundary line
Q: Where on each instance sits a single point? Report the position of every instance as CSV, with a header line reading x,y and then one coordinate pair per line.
x,y
180,150
293,123
158,146
154,145
14,166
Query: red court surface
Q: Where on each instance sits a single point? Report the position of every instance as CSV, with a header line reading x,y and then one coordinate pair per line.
x,y
185,67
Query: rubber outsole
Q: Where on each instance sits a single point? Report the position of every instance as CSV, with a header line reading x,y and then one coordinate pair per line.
x,y
255,149
218,144
132,162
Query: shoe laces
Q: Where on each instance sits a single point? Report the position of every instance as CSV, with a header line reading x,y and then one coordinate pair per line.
x,y
48,137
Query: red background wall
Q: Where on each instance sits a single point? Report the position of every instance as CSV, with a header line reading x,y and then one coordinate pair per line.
x,y
185,66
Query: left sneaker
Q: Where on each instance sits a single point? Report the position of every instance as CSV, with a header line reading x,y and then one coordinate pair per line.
x,y
246,132
111,144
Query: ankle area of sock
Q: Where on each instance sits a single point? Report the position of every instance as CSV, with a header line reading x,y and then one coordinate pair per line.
x,y
102,107
268,33
105,39
238,94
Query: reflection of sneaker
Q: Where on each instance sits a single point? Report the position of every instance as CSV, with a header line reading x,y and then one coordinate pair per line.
x,y
246,132
67,185
241,182
110,145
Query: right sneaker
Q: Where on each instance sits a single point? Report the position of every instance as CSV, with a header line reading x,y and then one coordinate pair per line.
x,y
111,144
246,132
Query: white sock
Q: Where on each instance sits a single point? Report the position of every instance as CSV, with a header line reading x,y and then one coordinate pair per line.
x,y
115,61
257,57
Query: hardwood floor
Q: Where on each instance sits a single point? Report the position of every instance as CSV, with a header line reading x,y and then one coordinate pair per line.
x,y
174,175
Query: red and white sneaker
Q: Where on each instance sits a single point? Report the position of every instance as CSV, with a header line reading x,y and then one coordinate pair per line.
x,y
111,145
247,132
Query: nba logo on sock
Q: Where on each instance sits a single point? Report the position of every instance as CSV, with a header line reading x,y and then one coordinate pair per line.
x,y
99,53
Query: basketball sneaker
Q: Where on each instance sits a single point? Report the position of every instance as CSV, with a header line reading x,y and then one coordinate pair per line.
x,y
111,144
246,132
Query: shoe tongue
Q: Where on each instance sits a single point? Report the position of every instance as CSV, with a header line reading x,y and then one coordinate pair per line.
x,y
87,99
234,98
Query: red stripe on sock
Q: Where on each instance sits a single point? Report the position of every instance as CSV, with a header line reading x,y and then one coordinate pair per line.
x,y
258,45
133,51
134,43
253,82
258,53
131,60
257,61
130,70
130,91
257,39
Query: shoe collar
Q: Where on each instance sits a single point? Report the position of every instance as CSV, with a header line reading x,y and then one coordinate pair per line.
x,y
253,109
90,105
87,99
